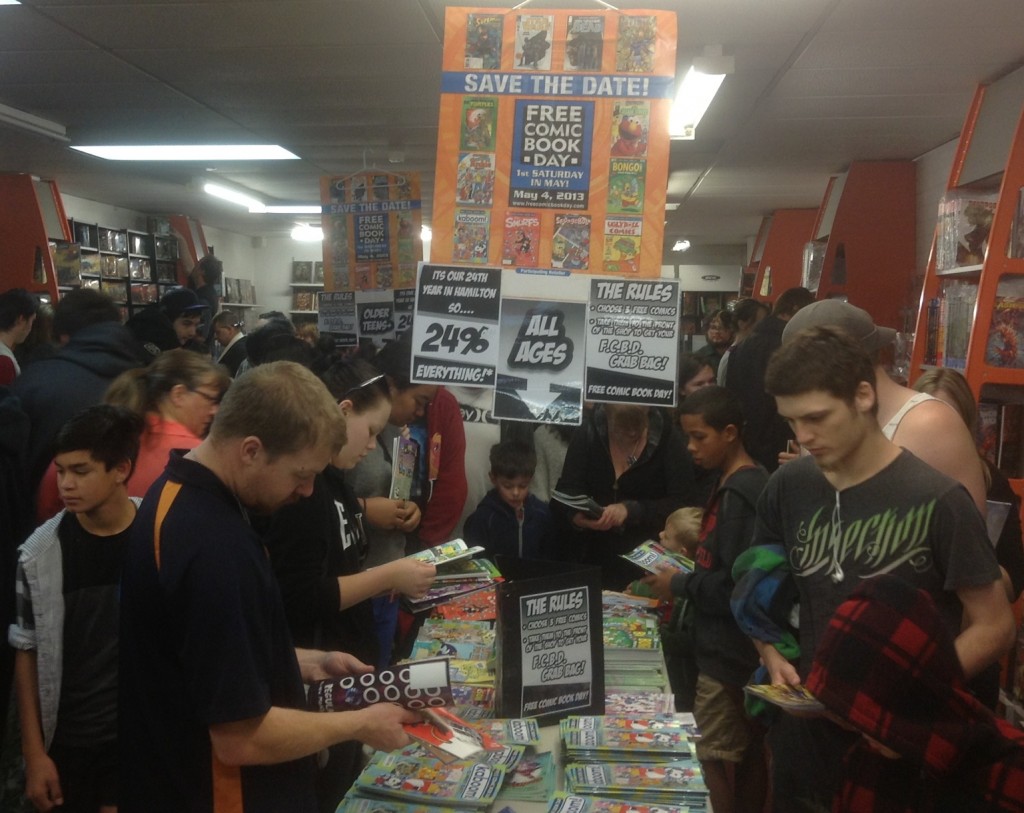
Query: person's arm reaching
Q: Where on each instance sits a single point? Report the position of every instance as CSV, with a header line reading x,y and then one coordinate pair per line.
x,y
42,782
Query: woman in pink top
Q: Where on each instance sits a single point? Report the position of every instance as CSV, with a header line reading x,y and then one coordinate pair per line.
x,y
178,394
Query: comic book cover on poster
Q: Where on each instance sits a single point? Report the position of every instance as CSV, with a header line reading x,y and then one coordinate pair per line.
x,y
371,222
562,116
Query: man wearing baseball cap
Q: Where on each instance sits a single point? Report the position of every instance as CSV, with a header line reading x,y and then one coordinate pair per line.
x,y
923,425
170,323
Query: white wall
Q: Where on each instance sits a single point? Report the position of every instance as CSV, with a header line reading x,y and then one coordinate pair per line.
x,y
272,269
932,176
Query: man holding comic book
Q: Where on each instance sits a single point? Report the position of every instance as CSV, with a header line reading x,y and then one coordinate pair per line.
x,y
855,508
211,685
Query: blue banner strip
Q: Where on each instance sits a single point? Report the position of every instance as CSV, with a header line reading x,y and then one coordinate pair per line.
x,y
611,86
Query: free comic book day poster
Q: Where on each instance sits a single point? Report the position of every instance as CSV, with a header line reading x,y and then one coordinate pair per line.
x,y
631,341
375,316
455,332
584,42
541,346
371,222
521,245
553,115
570,246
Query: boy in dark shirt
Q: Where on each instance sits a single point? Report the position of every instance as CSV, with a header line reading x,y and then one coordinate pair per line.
x,y
731,748
509,520
66,630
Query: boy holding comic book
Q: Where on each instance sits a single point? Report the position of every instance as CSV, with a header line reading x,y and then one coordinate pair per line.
x,y
731,746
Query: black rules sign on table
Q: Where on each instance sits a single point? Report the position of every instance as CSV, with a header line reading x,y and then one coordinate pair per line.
x,y
550,650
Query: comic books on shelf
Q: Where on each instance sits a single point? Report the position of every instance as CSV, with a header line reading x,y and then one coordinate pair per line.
x,y
1004,347
653,557
950,318
641,703
961,237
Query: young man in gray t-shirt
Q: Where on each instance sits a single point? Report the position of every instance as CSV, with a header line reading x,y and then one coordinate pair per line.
x,y
857,507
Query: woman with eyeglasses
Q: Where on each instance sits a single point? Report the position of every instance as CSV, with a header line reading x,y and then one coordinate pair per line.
x,y
318,552
178,394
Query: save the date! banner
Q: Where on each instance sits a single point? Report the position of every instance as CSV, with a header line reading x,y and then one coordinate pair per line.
x,y
553,139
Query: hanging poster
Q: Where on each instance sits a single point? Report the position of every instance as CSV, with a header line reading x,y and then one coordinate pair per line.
x,y
554,116
455,332
337,313
632,341
371,222
375,316
549,646
540,361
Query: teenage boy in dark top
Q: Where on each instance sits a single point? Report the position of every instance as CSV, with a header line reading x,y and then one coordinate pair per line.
x,y
731,748
66,628
509,520
855,508
211,683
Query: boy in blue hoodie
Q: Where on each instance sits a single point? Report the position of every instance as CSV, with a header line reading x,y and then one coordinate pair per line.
x,y
509,520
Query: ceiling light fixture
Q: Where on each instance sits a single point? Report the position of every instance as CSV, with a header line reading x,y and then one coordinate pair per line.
x,y
305,233
189,152
234,196
697,90
299,209
682,244
426,235
32,123
10,2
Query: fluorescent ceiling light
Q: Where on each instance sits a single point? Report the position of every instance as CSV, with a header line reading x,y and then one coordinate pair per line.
x,y
306,209
190,152
681,245
233,196
671,206
692,101
426,235
304,233
10,2
31,123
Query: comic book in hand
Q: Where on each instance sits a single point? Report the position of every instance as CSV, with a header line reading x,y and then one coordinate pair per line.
x,y
790,698
581,502
403,467
420,779
419,685
448,737
652,557
446,552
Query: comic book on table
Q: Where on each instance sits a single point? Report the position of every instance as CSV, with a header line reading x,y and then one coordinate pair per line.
x,y
533,780
571,803
677,782
416,778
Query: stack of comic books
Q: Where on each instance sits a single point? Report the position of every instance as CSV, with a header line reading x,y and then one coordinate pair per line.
x,y
533,780
680,782
629,738
458,575
412,776
570,803
644,702
479,605
638,635
467,640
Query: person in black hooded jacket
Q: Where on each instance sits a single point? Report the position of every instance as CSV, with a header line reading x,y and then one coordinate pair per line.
x,y
95,349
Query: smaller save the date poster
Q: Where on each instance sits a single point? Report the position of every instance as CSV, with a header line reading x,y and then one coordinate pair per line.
x,y
553,139
371,222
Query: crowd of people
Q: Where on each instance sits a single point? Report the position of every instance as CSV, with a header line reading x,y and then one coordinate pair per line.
x,y
213,532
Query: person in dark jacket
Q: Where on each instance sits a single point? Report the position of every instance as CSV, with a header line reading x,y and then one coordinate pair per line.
x,y
509,520
227,330
731,747
767,433
171,323
96,349
887,667
632,460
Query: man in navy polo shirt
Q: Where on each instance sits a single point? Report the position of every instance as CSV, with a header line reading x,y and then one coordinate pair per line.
x,y
211,684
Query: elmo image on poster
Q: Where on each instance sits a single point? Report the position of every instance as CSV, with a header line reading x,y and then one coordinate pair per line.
x,y
551,146
372,241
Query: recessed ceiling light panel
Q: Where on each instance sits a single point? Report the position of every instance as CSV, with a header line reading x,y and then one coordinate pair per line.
x,y
189,152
